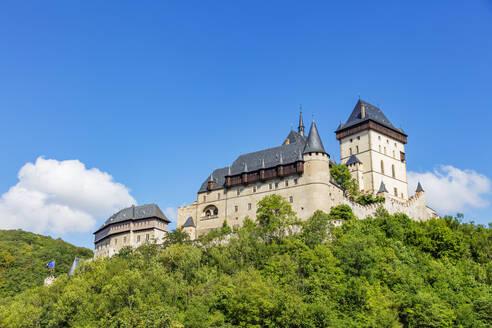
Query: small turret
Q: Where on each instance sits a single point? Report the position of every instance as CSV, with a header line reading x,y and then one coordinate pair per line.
x,y
382,189
313,143
210,184
300,128
419,188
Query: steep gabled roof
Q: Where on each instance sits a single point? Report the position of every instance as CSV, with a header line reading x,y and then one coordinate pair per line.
x,y
371,113
353,160
136,213
314,143
267,158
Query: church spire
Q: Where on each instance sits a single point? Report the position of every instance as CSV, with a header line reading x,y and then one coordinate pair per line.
x,y
300,128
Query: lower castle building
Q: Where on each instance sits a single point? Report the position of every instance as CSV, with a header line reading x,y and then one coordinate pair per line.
x,y
299,170
131,226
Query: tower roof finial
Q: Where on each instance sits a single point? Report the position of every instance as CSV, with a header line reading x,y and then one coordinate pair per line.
x,y
300,128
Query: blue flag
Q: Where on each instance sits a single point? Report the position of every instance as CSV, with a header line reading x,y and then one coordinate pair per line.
x,y
50,265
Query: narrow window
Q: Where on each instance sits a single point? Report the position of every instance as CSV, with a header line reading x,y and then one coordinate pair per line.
x,y
276,185
382,166
291,199
401,195
356,149
254,189
396,192
385,150
236,208
237,218
393,170
218,195
358,137
379,137
350,139
147,236
270,186
238,192
350,151
249,206
295,181
138,238
124,240
394,154
286,183
379,148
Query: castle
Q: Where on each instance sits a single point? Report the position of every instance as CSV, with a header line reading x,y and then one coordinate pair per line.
x,y
299,170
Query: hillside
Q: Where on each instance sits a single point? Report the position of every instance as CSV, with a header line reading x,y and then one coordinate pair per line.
x,y
24,255
387,271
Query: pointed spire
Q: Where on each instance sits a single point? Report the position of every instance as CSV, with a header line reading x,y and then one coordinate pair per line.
x,y
281,159
211,178
419,187
262,163
300,128
229,171
245,167
382,188
313,143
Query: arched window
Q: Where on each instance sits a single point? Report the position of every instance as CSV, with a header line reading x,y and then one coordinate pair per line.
x,y
211,210
382,166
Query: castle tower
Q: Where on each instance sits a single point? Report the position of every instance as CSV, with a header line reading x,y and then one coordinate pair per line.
x,y
378,146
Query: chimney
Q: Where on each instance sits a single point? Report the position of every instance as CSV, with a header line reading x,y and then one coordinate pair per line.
x,y
362,111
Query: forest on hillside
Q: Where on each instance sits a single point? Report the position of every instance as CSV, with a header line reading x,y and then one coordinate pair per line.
x,y
24,255
384,271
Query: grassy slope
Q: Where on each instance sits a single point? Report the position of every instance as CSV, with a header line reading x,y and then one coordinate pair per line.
x,y
24,255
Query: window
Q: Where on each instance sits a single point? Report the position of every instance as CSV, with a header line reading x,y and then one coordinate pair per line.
x,y
236,208
270,186
402,156
249,206
238,192
210,211
286,183
124,240
401,195
295,181
396,192
218,195
393,170
356,149
291,199
138,238
350,139
385,150
237,218
276,185
379,148
379,137
387,141
254,189
382,166
395,145
394,154
350,151
147,236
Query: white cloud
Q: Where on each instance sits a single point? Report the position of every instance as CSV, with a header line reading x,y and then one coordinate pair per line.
x,y
61,196
171,213
449,190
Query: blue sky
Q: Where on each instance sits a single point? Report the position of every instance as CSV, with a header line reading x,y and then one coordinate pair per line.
x,y
157,94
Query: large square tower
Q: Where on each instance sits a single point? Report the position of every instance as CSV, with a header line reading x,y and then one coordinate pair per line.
x,y
374,151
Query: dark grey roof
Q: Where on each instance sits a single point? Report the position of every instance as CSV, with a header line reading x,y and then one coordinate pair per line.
x,y
382,188
419,187
189,223
314,143
137,213
267,158
372,113
352,160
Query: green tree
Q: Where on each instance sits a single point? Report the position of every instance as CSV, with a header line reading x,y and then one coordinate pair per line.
x,y
344,179
341,212
275,216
